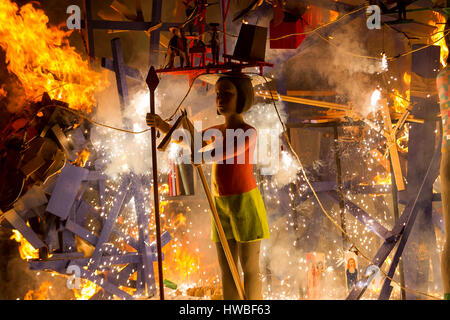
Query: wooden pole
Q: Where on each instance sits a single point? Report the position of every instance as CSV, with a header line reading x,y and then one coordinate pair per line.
x,y
396,217
152,82
393,152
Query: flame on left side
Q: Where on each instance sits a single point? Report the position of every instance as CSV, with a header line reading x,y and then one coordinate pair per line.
x,y
43,60
26,250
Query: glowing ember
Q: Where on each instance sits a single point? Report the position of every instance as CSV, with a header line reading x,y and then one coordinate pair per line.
x,y
42,58
382,179
402,140
26,250
88,289
40,294
400,102
83,156
437,38
407,78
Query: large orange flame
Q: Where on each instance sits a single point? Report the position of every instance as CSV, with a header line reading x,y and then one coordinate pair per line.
x,y
438,36
82,158
42,58
40,294
88,289
26,250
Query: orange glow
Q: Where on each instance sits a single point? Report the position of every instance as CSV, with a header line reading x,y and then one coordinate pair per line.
x,y
88,289
83,156
402,140
43,60
184,264
407,78
438,38
333,15
382,179
40,294
400,102
26,250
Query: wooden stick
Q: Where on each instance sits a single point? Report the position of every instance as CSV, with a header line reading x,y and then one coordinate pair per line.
x,y
395,160
311,102
152,82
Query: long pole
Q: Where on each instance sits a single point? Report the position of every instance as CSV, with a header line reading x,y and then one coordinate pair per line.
x,y
396,217
152,82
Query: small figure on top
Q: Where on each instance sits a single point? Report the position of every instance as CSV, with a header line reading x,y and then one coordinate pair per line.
x,y
178,46
214,42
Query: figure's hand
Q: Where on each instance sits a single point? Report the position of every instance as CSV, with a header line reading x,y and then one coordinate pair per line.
x,y
153,120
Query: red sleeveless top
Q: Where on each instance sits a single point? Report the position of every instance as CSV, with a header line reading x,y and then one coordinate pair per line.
x,y
236,177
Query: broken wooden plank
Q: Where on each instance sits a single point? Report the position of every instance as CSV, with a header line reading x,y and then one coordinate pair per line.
x,y
371,223
64,142
16,221
108,286
33,198
110,221
392,145
66,190
81,232
143,220
129,72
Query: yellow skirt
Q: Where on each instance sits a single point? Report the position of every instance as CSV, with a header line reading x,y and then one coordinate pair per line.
x,y
243,217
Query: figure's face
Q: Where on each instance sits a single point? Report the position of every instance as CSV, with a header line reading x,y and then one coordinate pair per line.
x,y
226,97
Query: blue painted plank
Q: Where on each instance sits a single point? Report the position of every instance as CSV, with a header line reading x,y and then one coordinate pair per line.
x,y
129,72
371,223
93,212
119,69
55,265
123,277
144,238
109,221
66,190
16,221
108,286
131,257
81,232
33,198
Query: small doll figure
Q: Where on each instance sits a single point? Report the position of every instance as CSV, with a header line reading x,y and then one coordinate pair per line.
x,y
183,48
236,195
352,273
443,82
215,42
178,46
172,49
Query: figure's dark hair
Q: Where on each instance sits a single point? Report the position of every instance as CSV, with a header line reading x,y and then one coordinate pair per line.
x,y
245,92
